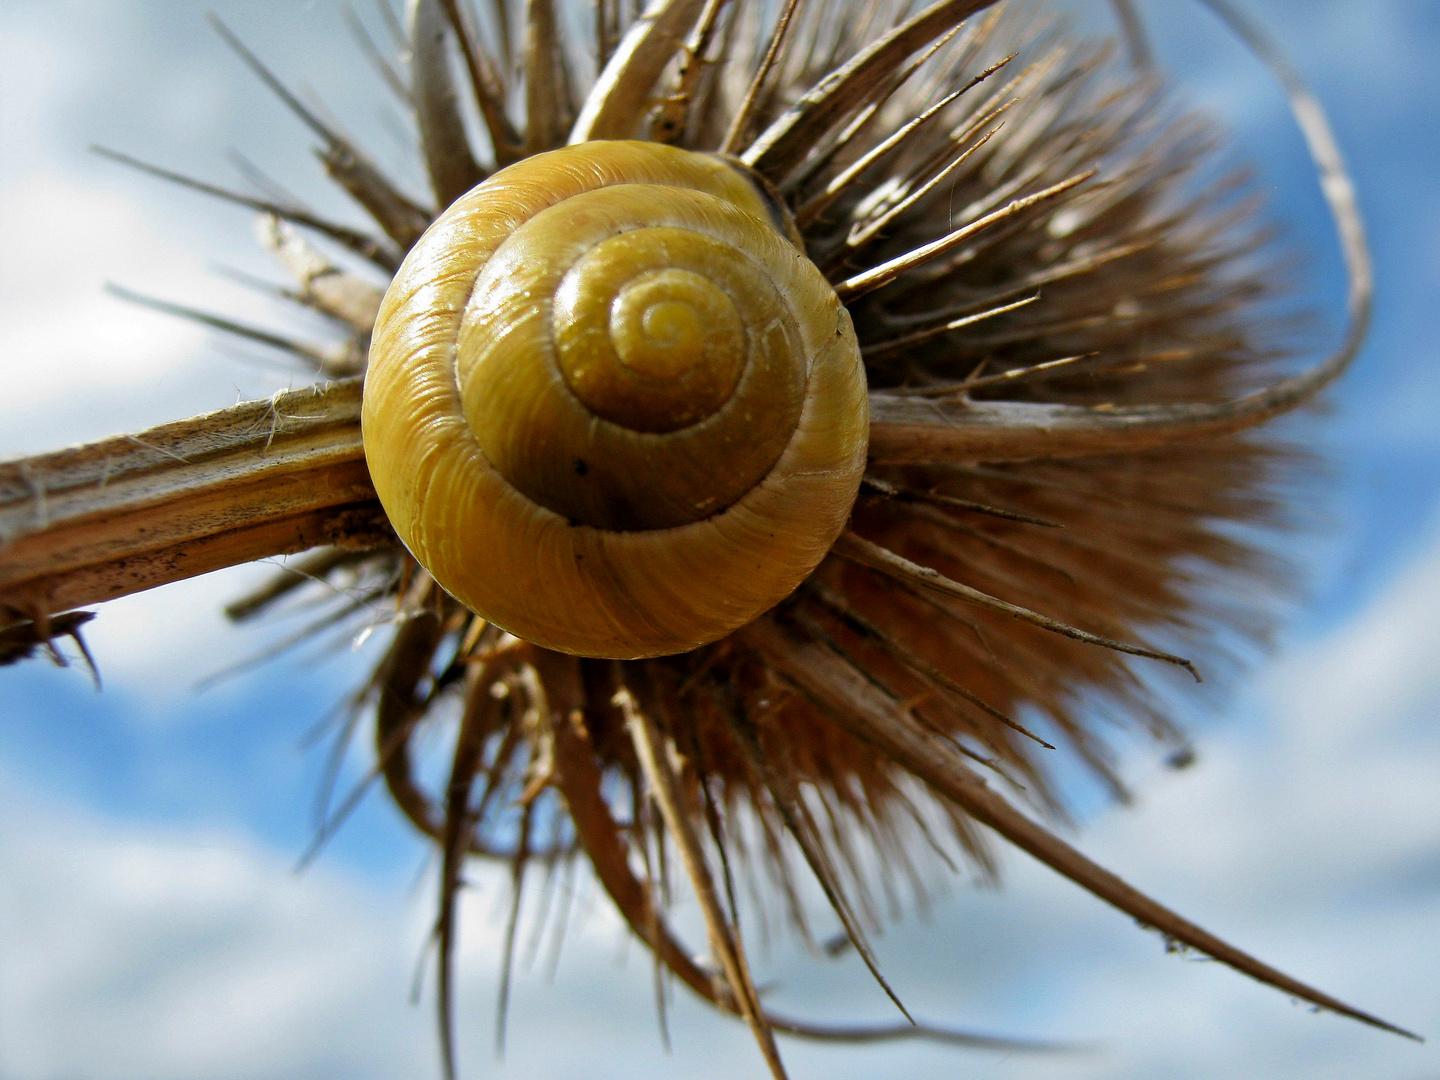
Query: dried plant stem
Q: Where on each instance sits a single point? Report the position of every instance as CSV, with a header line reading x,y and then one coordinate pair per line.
x,y
905,429
438,116
264,478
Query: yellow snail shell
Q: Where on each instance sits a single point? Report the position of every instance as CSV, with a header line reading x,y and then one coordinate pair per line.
x,y
611,406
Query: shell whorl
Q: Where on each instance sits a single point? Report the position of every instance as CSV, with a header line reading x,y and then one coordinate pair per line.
x,y
611,406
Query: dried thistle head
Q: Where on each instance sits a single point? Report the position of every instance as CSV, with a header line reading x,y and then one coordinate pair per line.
x,y
1067,318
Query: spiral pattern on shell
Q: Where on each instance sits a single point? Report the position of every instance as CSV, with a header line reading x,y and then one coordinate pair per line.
x,y
611,406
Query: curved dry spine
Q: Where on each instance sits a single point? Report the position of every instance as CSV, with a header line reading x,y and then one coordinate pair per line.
x,y
1066,318
449,160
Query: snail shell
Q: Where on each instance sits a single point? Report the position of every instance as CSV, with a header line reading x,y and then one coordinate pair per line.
x,y
611,406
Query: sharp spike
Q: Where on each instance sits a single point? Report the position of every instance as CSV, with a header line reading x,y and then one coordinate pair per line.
x,y
1025,374
488,87
459,820
853,702
397,716
401,219
654,755
318,359
923,511
312,566
817,204
745,113
362,244
1033,281
877,277
620,98
578,780
512,922
900,344
278,88
800,824
547,86
844,610
866,553
449,160
377,59
864,232
673,115
895,491
785,143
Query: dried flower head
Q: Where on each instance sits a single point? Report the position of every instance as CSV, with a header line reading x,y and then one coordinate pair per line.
x,y
1068,321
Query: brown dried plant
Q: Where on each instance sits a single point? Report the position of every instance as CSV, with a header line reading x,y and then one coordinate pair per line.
x,y
1072,339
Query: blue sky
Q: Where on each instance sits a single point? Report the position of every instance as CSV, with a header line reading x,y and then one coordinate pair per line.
x,y
151,923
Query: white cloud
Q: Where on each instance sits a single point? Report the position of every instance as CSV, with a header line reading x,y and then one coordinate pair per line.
x,y
158,646
1382,666
39,72
135,952
63,242
132,951
77,363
